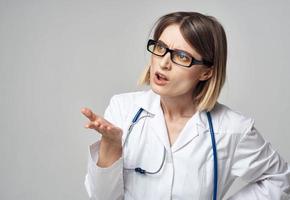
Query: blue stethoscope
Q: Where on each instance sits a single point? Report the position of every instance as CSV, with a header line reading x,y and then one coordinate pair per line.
x,y
143,171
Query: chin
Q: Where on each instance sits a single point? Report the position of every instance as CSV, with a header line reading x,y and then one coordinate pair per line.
x,y
160,91
169,92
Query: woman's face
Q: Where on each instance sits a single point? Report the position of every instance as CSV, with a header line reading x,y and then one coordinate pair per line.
x,y
179,81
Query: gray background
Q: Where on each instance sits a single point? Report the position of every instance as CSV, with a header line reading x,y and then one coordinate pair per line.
x,y
59,56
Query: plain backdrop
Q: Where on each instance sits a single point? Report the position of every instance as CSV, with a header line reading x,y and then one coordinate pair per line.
x,y
59,56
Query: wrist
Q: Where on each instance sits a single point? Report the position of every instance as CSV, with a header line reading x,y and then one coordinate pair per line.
x,y
109,152
110,144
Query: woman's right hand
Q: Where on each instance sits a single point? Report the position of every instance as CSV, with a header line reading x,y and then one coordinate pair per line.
x,y
111,141
109,131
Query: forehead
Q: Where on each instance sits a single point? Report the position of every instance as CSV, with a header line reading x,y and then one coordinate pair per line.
x,y
173,38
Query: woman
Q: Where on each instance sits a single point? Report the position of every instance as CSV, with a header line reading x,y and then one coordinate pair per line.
x,y
159,144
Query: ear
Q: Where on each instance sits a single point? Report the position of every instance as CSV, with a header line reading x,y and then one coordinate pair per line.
x,y
206,74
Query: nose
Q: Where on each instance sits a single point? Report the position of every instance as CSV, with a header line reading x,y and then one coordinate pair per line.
x,y
165,62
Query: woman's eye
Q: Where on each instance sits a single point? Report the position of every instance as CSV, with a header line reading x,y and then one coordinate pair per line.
x,y
183,57
159,47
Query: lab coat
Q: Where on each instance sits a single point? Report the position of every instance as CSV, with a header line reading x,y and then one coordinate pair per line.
x,y
187,172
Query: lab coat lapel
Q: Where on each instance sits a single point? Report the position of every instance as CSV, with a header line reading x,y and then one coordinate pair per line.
x,y
190,131
150,102
158,127
198,125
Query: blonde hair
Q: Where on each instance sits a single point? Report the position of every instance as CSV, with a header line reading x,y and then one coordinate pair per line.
x,y
207,36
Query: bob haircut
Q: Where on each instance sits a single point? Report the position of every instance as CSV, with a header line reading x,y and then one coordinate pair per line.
x,y
207,36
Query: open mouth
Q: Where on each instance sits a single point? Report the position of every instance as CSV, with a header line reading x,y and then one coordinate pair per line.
x,y
161,76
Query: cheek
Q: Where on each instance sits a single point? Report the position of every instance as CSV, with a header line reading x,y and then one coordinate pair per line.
x,y
191,76
153,62
151,70
187,81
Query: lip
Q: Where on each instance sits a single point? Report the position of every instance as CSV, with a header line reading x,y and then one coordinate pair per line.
x,y
160,82
162,75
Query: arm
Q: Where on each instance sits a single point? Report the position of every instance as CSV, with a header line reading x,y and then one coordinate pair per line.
x,y
104,178
256,162
103,183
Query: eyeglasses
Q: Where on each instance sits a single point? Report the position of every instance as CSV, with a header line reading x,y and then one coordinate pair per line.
x,y
177,56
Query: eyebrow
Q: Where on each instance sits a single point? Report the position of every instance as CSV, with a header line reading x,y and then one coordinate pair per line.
x,y
163,43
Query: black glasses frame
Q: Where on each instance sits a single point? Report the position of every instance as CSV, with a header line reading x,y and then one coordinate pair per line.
x,y
193,61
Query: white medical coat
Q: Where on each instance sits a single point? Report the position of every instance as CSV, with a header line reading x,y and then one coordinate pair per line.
x,y
188,169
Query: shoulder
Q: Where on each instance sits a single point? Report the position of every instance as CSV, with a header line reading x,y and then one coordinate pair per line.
x,y
129,98
121,106
130,101
230,120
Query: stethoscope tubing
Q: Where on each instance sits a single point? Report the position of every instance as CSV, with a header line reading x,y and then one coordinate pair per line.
x,y
214,151
143,171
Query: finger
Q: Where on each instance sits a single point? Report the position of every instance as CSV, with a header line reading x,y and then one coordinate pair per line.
x,y
97,125
89,114
103,126
109,129
90,125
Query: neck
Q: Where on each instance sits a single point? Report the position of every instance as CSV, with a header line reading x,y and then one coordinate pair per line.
x,y
177,107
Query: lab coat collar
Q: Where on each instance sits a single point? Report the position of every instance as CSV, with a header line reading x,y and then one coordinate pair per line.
x,y
196,125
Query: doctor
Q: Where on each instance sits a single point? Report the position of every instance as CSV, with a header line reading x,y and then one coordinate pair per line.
x,y
158,144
